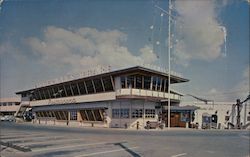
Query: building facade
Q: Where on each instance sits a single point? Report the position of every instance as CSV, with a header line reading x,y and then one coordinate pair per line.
x,y
9,106
220,114
125,98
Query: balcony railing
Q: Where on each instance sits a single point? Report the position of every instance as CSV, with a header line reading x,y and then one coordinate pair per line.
x,y
147,93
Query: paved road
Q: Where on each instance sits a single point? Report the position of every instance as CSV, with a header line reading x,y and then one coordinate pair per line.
x,y
24,140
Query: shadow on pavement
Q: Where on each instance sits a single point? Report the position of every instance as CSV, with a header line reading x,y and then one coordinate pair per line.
x,y
134,154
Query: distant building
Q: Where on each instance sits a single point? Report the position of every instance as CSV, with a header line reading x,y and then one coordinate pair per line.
x,y
9,106
224,111
121,98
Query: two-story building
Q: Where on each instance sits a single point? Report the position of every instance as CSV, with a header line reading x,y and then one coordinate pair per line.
x,y
9,106
120,98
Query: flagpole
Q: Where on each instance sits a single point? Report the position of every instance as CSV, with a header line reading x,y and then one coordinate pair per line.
x,y
169,49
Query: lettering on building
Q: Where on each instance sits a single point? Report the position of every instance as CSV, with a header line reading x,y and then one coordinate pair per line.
x,y
64,101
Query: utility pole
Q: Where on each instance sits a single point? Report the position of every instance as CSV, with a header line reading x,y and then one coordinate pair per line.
x,y
238,104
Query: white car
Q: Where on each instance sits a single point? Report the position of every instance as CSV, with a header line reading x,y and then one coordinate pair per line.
x,y
2,118
8,118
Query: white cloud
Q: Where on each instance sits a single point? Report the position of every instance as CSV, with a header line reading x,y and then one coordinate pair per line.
x,y
243,87
238,91
85,48
1,2
213,91
198,31
7,48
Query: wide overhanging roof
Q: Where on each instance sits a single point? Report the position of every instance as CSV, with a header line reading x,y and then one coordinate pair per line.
x,y
131,70
182,108
173,78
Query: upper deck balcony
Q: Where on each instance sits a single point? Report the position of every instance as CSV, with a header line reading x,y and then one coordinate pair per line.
x,y
147,94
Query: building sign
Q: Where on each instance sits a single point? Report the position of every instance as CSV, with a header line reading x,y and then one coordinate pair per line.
x,y
62,101
70,77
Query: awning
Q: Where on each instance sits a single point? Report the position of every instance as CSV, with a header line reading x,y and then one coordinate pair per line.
x,y
181,108
68,107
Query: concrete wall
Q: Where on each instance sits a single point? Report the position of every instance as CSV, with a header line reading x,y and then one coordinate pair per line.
x,y
221,108
131,104
70,123
10,104
76,99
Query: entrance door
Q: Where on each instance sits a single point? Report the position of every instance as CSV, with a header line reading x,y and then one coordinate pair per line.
x,y
174,119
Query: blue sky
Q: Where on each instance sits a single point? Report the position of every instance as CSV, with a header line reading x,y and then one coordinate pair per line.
x,y
46,39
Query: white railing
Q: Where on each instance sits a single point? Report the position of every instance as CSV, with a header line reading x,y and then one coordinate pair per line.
x,y
143,92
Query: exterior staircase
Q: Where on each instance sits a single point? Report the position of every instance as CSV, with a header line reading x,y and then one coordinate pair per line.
x,y
20,112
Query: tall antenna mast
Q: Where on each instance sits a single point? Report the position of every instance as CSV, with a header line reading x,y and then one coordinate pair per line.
x,y
169,13
169,50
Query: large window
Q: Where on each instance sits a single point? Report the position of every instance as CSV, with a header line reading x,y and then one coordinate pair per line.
x,y
68,89
51,93
159,84
150,113
98,114
61,115
98,85
138,81
82,88
166,86
144,82
107,84
92,114
163,83
137,113
123,81
124,113
131,81
120,113
46,93
90,86
56,94
42,94
61,91
74,89
147,82
154,85
36,95
115,113
45,114
73,115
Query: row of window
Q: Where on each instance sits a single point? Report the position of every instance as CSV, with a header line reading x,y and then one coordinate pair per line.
x,y
86,115
59,115
92,115
135,113
144,82
9,103
74,89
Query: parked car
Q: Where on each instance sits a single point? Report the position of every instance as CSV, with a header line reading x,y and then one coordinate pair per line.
x,y
2,118
8,118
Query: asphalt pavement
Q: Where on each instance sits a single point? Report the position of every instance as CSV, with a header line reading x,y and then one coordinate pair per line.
x,y
26,139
